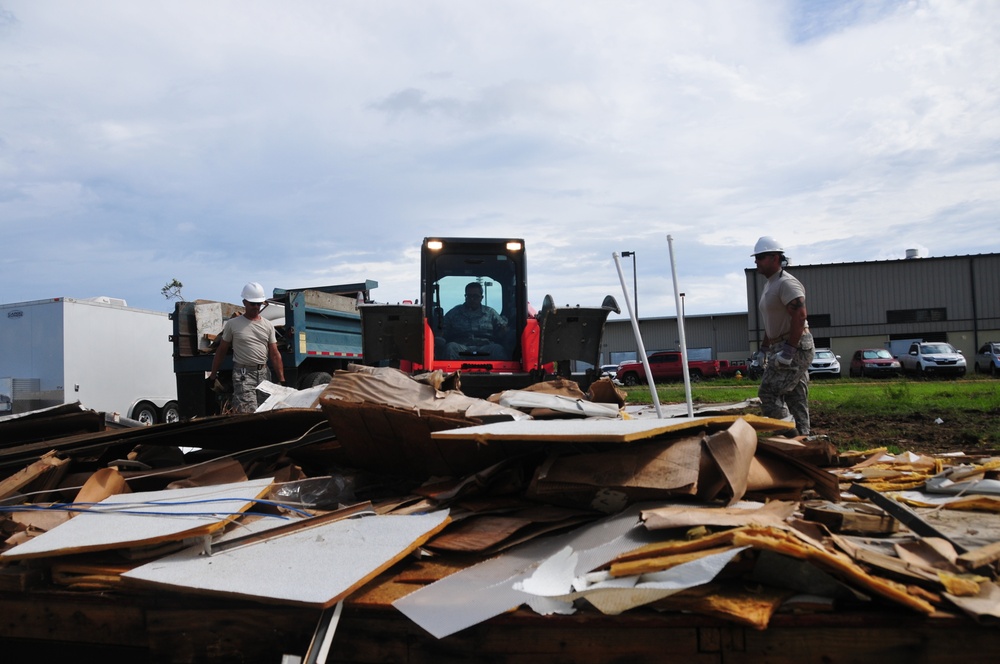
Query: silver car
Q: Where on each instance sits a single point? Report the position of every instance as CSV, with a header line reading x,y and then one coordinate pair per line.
x,y
825,363
933,358
988,358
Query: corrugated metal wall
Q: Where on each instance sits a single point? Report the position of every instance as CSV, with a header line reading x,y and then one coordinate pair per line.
x,y
725,334
856,297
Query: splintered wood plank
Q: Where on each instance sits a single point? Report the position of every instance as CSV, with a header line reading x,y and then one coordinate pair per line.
x,y
142,519
22,478
597,430
478,533
316,567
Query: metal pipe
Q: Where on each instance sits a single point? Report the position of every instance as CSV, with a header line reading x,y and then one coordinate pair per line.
x,y
638,337
680,329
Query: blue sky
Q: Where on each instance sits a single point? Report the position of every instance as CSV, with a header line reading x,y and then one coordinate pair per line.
x,y
317,142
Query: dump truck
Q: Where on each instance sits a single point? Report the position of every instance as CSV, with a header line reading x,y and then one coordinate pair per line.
x,y
100,352
318,330
530,347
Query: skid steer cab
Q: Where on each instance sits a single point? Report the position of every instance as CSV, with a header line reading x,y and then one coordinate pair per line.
x,y
473,318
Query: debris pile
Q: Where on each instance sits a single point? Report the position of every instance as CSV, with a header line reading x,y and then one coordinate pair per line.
x,y
464,509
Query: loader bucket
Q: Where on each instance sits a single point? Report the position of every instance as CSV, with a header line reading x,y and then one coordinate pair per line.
x,y
391,333
572,333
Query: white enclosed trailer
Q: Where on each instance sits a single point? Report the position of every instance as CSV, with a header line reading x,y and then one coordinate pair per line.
x,y
110,357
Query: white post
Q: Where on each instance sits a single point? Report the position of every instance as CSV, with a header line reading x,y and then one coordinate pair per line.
x,y
638,337
680,329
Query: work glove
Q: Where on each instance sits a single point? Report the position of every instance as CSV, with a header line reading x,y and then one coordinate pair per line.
x,y
785,354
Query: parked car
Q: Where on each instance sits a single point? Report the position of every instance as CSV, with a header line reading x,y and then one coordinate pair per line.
x,y
988,358
825,364
609,370
933,358
666,365
873,362
755,365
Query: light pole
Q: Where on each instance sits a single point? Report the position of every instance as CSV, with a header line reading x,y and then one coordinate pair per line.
x,y
635,283
486,291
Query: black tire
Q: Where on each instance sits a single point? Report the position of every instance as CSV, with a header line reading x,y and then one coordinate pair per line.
x,y
630,380
146,413
695,376
170,412
313,379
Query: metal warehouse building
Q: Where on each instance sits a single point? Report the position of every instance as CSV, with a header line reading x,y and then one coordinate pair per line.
x,y
851,305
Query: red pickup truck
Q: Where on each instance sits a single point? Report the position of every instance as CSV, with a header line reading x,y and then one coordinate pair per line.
x,y
665,366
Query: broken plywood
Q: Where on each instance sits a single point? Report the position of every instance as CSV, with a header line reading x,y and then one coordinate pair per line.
x,y
599,430
139,519
314,567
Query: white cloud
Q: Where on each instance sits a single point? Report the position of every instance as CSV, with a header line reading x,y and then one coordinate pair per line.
x,y
315,142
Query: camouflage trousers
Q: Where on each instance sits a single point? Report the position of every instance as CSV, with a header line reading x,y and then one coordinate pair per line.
x,y
784,389
245,382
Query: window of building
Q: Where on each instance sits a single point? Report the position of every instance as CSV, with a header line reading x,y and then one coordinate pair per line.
x,y
896,316
819,320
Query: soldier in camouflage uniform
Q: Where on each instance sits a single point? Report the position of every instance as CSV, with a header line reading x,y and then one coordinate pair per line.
x,y
787,343
254,343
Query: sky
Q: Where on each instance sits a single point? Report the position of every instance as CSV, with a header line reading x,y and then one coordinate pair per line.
x,y
318,142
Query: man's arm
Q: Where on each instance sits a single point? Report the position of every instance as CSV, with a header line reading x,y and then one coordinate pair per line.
x,y
220,354
797,310
275,356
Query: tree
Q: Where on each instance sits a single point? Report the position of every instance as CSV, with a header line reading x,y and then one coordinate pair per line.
x,y
173,290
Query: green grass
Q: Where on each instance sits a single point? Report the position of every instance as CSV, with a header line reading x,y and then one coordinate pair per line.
x,y
852,395
970,406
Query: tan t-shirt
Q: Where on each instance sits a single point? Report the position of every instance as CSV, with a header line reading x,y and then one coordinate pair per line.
x,y
249,339
779,290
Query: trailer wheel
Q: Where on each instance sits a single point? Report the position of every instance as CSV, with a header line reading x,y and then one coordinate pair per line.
x,y
145,413
171,412
313,379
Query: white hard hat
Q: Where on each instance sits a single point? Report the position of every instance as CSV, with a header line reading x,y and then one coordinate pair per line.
x,y
253,292
767,245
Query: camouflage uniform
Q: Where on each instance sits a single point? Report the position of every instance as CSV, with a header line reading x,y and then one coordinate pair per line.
x,y
245,382
785,389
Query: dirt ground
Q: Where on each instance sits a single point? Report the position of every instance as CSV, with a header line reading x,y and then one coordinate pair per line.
x,y
917,433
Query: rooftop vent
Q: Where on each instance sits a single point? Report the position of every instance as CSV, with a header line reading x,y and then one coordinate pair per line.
x,y
912,253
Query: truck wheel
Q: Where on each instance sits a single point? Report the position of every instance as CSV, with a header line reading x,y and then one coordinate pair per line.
x,y
695,376
170,413
630,380
145,413
313,379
